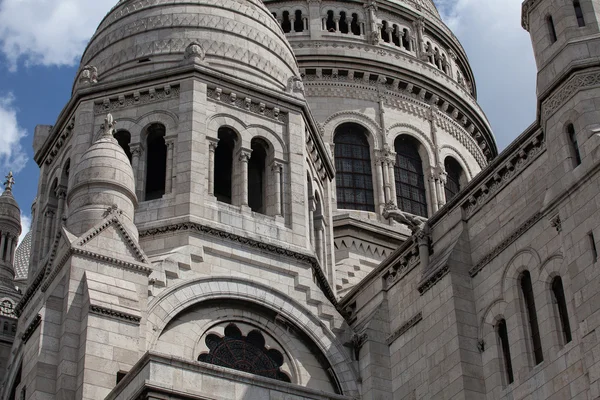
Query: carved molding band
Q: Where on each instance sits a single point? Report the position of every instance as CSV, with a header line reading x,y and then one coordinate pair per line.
x,y
504,244
432,279
404,328
31,328
136,98
246,103
60,141
107,312
568,90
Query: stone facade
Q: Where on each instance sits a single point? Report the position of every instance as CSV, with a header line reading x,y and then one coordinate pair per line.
x,y
303,200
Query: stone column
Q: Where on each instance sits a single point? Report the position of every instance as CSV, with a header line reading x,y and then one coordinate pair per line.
x,y
379,168
304,23
9,245
442,179
386,179
433,192
393,198
423,243
212,147
337,23
2,242
136,154
312,206
362,28
61,194
170,143
277,168
319,242
244,157
49,216
13,250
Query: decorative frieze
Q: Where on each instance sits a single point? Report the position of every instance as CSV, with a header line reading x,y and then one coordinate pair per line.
x,y
247,104
504,244
504,174
316,157
60,141
126,100
568,90
108,312
404,328
31,328
403,264
433,278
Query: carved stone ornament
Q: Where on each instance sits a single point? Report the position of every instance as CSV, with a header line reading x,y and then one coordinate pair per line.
x,y
10,181
295,85
414,222
194,53
88,75
108,129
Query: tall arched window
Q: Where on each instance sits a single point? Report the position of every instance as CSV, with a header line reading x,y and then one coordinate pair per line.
x,y
395,35
286,25
156,162
256,176
410,182
558,295
454,173
572,136
124,138
330,24
354,180
406,39
534,329
343,22
224,164
354,26
551,29
579,13
298,22
385,36
502,332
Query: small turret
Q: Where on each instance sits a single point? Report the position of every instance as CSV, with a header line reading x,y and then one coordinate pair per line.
x,y
103,180
10,229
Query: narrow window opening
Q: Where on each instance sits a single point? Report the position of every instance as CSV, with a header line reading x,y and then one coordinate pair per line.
x,y
298,22
579,14
551,28
354,25
593,246
574,145
124,139
527,291
343,22
286,25
330,24
395,36
558,293
120,376
453,174
156,162
406,39
354,179
256,176
429,52
224,165
5,255
408,172
507,362
143,60
385,36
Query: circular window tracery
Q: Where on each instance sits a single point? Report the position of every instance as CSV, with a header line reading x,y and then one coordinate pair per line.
x,y
244,353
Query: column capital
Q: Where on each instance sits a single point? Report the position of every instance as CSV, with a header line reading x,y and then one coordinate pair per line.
x,y
136,149
277,166
61,191
213,143
244,154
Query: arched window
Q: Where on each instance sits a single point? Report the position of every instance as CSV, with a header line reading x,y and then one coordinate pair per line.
x,y
286,25
551,28
343,22
579,13
355,26
124,138
454,173
572,136
257,177
224,165
354,179
534,329
298,22
410,182
330,24
429,50
385,36
502,332
558,295
406,39
395,35
156,162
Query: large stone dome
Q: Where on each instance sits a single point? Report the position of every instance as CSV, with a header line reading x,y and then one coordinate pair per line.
x,y
236,37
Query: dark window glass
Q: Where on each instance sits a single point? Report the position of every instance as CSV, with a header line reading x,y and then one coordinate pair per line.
x,y
156,162
579,14
527,291
406,40
298,23
124,138
385,36
561,303
343,22
256,176
330,24
354,26
551,29
453,172
286,25
503,338
224,164
395,36
410,182
354,180
574,144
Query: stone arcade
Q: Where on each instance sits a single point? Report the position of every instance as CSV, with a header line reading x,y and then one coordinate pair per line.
x,y
303,200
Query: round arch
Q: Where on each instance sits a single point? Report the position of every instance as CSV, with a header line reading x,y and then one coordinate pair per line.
x,y
406,129
334,121
180,297
449,151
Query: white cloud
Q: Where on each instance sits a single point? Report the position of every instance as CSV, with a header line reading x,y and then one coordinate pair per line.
x,y
12,155
501,56
48,32
25,226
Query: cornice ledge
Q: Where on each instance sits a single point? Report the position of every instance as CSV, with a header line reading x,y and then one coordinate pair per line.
x,y
31,328
404,328
526,8
110,313
568,89
517,233
431,279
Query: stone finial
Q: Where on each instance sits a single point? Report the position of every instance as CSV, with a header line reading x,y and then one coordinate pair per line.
x,y
10,181
194,53
88,75
109,126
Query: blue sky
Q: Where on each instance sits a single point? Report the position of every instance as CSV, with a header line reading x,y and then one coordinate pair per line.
x,y
41,42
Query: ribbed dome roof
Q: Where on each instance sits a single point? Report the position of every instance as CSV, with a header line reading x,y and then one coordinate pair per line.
x,y
22,255
237,37
9,209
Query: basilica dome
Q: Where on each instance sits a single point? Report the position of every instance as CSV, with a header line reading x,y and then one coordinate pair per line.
x,y
237,38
